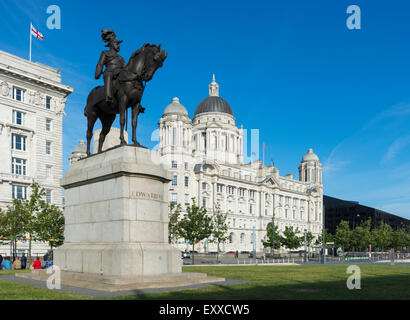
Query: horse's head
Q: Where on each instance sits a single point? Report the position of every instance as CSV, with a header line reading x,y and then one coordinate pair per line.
x,y
146,60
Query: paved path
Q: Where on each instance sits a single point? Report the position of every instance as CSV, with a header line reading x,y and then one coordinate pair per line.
x,y
104,294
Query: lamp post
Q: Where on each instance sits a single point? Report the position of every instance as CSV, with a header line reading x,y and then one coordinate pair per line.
x,y
323,236
254,243
305,244
273,230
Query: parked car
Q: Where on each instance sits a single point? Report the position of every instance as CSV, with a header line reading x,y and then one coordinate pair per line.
x,y
230,252
185,255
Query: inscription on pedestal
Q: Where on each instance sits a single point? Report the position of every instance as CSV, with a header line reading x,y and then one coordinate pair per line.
x,y
146,195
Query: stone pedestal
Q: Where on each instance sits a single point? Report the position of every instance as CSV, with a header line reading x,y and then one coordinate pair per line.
x,y
116,224
116,215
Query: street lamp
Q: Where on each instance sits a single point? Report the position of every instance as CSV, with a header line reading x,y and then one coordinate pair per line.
x,y
323,236
305,244
273,230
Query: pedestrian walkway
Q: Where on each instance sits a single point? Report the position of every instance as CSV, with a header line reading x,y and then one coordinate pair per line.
x,y
104,294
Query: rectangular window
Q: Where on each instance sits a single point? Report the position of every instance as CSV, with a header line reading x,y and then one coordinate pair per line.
x,y
175,180
48,195
174,164
251,194
203,185
18,142
19,192
18,166
204,202
48,103
186,198
48,147
18,117
48,124
48,171
186,165
219,188
18,94
186,181
174,136
174,198
250,209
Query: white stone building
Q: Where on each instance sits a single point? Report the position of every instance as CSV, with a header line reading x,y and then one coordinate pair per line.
x,y
32,103
206,157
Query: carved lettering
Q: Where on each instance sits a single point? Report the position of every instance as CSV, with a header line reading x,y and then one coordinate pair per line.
x,y
146,195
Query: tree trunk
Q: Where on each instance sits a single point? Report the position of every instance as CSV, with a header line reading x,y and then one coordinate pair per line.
x,y
217,254
29,245
193,252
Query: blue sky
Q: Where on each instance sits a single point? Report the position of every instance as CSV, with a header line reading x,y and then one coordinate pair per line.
x,y
291,69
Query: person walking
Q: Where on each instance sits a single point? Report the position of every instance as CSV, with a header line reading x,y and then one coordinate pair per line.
x,y
23,261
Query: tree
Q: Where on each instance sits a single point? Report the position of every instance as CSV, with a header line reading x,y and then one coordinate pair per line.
x,y
399,239
343,235
173,224
12,223
382,236
195,226
31,209
309,239
49,225
290,239
328,237
219,229
361,235
269,243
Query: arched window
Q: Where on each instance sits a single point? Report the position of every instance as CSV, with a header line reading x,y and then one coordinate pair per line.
x,y
242,238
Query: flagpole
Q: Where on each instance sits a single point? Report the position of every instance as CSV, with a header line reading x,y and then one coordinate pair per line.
x,y
263,154
30,41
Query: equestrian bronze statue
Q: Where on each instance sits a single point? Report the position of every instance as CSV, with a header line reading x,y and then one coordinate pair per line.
x,y
123,88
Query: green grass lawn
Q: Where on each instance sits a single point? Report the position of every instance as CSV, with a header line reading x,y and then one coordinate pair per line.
x,y
267,282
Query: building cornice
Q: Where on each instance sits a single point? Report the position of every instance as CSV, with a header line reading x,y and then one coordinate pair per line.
x,y
15,73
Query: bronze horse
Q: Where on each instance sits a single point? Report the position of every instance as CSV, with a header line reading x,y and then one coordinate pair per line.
x,y
128,87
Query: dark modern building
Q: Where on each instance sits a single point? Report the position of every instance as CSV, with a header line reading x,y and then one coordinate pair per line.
x,y
337,210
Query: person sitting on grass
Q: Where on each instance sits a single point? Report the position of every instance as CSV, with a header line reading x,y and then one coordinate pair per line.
x,y
17,264
6,264
49,262
37,264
